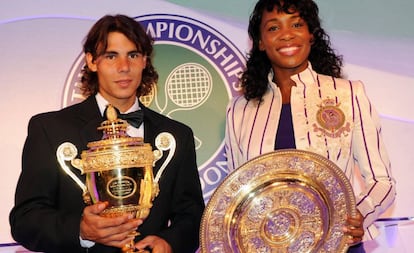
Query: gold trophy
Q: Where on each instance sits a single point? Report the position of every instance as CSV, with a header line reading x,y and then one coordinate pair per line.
x,y
119,169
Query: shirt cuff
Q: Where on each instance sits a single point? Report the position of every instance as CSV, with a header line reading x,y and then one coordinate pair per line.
x,y
86,243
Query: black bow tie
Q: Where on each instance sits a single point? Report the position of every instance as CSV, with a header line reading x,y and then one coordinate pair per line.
x,y
133,118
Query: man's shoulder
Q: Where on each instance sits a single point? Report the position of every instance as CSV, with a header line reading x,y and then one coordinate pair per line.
x,y
65,112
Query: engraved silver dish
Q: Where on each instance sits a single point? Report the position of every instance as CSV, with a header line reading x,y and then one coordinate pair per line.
x,y
284,201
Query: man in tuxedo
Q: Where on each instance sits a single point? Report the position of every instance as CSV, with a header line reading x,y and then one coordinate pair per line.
x,y
49,214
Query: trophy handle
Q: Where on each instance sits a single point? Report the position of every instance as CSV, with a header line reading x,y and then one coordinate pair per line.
x,y
67,152
164,141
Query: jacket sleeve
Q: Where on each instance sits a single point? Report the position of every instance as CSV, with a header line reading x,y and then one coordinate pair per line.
x,y
38,221
369,152
187,203
232,130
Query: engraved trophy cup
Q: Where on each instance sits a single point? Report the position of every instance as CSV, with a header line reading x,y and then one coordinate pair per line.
x,y
119,169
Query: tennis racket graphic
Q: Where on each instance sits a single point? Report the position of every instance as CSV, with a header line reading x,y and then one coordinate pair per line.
x,y
187,87
147,99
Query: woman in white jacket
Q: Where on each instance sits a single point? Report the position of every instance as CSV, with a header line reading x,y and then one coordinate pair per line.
x,y
294,96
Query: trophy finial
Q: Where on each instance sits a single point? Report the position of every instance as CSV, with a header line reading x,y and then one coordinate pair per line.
x,y
111,113
113,127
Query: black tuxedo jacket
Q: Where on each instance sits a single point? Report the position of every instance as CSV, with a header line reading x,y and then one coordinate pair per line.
x,y
48,203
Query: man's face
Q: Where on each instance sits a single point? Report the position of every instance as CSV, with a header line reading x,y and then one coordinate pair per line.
x,y
119,70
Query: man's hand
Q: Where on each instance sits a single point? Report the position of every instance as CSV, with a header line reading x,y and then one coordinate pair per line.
x,y
354,229
155,243
115,232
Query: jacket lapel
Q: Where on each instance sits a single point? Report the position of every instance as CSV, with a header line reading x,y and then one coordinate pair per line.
x,y
90,114
152,127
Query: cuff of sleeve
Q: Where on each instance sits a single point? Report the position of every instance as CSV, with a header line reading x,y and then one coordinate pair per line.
x,y
86,243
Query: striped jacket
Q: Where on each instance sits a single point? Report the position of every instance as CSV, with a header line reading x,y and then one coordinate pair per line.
x,y
332,117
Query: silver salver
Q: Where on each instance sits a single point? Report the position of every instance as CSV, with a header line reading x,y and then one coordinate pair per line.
x,y
284,201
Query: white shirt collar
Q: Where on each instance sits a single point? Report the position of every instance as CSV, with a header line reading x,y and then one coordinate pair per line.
x,y
102,103
131,131
307,76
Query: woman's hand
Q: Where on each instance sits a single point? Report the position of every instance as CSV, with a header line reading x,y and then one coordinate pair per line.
x,y
354,229
155,243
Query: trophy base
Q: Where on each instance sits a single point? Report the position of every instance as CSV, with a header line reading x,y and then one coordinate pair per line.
x,y
139,212
130,248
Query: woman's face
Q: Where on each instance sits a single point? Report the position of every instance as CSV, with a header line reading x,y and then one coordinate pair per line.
x,y
286,40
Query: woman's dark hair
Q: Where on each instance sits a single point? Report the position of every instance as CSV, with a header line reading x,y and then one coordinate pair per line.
x,y
96,43
322,57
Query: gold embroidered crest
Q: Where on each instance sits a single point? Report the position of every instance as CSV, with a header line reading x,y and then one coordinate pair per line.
x,y
331,119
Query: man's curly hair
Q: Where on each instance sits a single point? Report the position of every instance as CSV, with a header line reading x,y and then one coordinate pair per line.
x,y
96,43
322,57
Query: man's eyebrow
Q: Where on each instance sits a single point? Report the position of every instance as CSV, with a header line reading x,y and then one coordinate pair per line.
x,y
110,52
116,52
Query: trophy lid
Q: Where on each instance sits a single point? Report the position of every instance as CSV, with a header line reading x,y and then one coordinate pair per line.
x,y
116,149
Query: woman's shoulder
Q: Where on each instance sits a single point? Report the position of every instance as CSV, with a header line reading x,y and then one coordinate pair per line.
x,y
339,82
240,102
